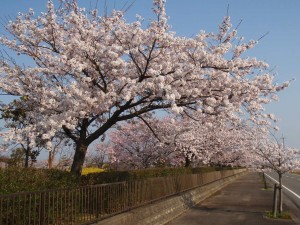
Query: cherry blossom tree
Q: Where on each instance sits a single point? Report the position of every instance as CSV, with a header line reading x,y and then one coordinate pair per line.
x,y
230,147
135,145
216,143
276,157
15,119
90,72
99,155
181,141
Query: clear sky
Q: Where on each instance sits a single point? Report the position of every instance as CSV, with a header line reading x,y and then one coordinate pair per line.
x,y
280,48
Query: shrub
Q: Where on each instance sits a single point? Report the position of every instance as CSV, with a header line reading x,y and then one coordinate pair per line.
x,y
119,176
14,180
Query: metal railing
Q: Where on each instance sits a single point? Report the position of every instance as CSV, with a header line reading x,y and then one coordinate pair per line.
x,y
84,205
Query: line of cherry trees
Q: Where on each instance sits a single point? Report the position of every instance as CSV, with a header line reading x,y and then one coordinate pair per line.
x,y
182,141
91,73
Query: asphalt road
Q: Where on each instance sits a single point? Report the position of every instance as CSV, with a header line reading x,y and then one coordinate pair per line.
x,y
291,186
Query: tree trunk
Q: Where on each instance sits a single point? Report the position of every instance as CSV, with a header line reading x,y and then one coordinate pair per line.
x,y
280,193
50,159
264,180
27,154
79,156
187,162
275,200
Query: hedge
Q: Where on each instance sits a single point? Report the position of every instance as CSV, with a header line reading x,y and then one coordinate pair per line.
x,y
119,176
14,180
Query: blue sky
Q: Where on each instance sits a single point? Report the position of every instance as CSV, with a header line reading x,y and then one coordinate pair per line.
x,y
280,48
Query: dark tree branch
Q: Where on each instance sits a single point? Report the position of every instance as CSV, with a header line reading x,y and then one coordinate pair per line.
x,y
148,125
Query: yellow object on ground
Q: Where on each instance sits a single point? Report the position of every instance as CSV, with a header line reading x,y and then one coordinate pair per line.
x,y
88,170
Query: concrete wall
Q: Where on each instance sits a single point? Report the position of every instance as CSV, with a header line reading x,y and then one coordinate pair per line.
x,y
163,211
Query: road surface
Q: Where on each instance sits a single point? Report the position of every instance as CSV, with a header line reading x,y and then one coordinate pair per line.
x,y
291,186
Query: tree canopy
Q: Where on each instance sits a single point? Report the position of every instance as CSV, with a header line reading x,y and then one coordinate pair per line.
x,y
91,72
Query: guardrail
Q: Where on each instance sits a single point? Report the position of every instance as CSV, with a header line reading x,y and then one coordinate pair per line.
x,y
84,205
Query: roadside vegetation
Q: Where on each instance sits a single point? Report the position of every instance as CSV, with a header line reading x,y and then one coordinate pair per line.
x,y
282,215
14,180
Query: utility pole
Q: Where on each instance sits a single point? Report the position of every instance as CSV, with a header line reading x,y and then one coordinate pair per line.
x,y
283,138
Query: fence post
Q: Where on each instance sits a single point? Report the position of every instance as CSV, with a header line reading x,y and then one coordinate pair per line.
x,y
42,208
275,201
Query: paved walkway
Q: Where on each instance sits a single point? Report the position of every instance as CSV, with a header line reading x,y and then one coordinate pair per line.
x,y
243,202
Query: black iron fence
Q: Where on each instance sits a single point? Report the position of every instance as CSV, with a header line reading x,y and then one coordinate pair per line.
x,y
84,205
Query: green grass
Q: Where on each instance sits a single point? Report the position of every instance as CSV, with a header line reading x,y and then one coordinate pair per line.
x,y
283,215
